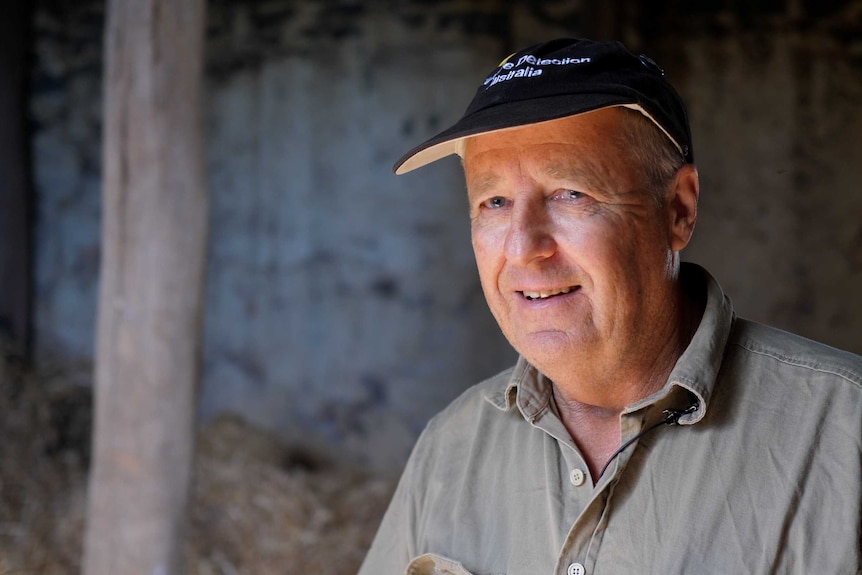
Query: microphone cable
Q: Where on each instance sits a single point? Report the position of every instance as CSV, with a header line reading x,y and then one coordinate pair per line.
x,y
671,417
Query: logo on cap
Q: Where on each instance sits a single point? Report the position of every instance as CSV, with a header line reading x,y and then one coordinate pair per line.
x,y
507,70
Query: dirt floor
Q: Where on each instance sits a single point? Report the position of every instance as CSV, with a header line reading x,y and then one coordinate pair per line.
x,y
258,506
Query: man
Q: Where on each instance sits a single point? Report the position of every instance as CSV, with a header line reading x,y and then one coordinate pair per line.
x,y
645,428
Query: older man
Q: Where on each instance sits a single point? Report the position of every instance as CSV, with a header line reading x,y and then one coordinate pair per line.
x,y
645,428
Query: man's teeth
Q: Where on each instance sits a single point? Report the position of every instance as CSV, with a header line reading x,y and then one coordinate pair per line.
x,y
531,295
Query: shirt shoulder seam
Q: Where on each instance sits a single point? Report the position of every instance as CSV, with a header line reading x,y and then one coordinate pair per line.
x,y
848,375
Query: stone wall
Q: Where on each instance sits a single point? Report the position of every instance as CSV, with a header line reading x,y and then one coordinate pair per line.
x,y
343,307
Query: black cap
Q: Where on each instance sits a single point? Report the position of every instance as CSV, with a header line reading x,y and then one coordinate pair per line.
x,y
556,79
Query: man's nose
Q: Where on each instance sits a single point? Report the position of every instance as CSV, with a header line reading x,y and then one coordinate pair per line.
x,y
530,235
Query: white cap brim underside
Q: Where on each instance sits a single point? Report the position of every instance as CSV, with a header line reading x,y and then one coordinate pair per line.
x,y
456,146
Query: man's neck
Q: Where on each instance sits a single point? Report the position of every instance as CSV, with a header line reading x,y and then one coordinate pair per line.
x,y
595,431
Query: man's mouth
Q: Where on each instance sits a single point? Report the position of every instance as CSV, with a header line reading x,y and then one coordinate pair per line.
x,y
534,295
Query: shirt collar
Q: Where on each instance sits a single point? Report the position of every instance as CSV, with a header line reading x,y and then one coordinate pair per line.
x,y
695,371
523,377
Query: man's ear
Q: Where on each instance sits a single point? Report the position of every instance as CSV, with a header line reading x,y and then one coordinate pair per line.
x,y
682,206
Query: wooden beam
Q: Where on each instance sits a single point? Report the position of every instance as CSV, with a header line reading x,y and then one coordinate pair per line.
x,y
154,228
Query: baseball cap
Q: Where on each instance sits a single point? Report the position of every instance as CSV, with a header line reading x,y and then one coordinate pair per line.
x,y
556,79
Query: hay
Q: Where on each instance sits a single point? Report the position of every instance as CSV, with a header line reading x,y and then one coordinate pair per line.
x,y
257,505
262,508
41,492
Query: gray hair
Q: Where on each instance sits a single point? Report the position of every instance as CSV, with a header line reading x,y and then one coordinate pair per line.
x,y
653,152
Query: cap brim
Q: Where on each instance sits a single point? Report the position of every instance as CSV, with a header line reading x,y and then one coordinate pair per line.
x,y
503,117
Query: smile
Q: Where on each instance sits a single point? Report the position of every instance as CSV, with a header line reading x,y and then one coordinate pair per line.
x,y
534,295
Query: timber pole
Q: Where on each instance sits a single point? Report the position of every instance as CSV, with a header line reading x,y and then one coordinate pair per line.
x,y
154,236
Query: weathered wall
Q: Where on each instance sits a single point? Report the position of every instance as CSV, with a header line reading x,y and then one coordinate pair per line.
x,y
343,306
342,301
782,203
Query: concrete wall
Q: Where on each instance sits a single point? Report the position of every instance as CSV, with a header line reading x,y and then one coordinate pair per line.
x,y
343,307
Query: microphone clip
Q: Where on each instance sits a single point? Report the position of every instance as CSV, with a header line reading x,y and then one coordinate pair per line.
x,y
671,416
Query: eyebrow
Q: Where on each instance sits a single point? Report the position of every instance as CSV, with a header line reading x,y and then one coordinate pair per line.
x,y
585,172
482,184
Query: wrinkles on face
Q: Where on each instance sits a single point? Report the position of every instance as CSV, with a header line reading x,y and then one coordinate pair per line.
x,y
557,209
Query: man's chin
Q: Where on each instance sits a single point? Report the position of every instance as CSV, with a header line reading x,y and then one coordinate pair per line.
x,y
552,345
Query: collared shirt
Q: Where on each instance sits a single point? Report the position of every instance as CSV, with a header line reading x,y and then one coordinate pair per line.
x,y
764,476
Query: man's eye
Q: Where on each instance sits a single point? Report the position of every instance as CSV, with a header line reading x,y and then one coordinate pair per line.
x,y
570,195
495,202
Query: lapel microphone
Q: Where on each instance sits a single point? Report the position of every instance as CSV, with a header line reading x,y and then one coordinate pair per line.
x,y
671,417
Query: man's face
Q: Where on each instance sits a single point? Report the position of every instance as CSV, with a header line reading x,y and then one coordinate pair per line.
x,y
574,255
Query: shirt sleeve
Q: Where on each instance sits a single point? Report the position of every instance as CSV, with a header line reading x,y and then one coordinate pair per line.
x,y
395,543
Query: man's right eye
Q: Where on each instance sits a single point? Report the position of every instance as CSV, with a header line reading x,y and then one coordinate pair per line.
x,y
495,202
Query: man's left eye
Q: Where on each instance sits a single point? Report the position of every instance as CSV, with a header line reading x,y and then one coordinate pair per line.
x,y
570,195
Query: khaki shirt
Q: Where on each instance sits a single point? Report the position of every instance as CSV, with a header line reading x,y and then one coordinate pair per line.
x,y
765,476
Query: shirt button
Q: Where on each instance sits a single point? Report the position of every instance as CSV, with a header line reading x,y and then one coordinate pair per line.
x,y
577,478
576,569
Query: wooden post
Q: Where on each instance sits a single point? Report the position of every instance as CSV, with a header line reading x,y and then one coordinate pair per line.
x,y
154,232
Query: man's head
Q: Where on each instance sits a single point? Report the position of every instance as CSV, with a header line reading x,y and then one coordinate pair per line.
x,y
576,243
578,218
